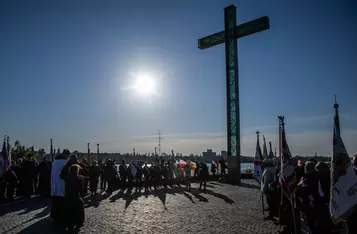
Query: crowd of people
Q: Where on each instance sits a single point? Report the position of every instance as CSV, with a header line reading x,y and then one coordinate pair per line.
x,y
67,180
309,200
25,177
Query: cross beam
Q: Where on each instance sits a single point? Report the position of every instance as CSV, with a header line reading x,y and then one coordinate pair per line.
x,y
241,30
229,36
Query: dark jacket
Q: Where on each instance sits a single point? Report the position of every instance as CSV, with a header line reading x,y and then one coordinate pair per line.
x,y
94,173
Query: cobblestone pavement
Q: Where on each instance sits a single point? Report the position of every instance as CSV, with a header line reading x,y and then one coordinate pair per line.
x,y
221,209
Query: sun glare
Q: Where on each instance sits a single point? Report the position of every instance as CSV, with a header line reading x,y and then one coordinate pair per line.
x,y
145,85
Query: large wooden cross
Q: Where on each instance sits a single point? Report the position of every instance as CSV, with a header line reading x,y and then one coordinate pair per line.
x,y
229,36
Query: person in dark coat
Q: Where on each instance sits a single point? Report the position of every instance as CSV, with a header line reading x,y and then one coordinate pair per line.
x,y
20,175
84,172
165,175
103,181
44,171
94,173
157,176
10,182
203,175
74,202
29,170
130,178
197,171
123,173
213,170
223,168
139,175
110,175
306,195
322,198
152,180
146,173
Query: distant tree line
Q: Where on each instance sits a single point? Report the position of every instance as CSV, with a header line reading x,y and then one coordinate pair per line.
x,y
19,150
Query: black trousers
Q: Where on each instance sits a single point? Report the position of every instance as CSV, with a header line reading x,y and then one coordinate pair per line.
x,y
111,184
93,184
203,182
138,183
352,223
58,209
147,183
74,212
10,190
103,184
123,182
2,189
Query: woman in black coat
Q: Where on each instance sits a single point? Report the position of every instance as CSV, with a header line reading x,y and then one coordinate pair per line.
x,y
74,202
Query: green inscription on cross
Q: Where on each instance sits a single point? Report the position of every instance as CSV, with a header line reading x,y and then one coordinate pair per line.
x,y
229,37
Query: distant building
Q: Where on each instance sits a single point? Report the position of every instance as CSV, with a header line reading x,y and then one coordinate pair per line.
x,y
224,154
209,155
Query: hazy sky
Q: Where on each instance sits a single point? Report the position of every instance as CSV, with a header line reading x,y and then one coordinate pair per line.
x,y
64,64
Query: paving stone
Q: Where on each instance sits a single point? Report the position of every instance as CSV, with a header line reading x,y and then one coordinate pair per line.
x,y
221,209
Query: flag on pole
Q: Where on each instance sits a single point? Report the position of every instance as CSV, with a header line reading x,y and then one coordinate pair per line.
x,y
4,159
265,150
8,149
88,156
287,169
257,167
97,152
192,164
51,151
343,177
271,154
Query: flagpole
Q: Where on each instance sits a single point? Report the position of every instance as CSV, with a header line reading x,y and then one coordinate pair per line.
x,y
8,149
281,189
281,128
97,153
88,156
51,150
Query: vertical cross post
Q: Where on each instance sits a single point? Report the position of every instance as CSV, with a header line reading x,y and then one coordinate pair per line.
x,y
232,92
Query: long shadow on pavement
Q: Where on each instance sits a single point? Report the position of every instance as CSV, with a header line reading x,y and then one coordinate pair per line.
x,y
160,193
252,186
43,226
128,197
95,200
27,205
216,183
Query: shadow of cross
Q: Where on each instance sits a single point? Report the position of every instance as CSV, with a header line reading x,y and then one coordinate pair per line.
x,y
229,37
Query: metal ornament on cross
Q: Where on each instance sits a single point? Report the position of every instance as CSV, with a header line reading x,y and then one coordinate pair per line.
x,y
229,37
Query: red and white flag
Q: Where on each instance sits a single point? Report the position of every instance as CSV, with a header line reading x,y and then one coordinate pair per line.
x,y
287,169
343,195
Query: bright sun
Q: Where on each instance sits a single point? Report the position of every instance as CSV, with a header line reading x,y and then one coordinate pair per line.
x,y
145,85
